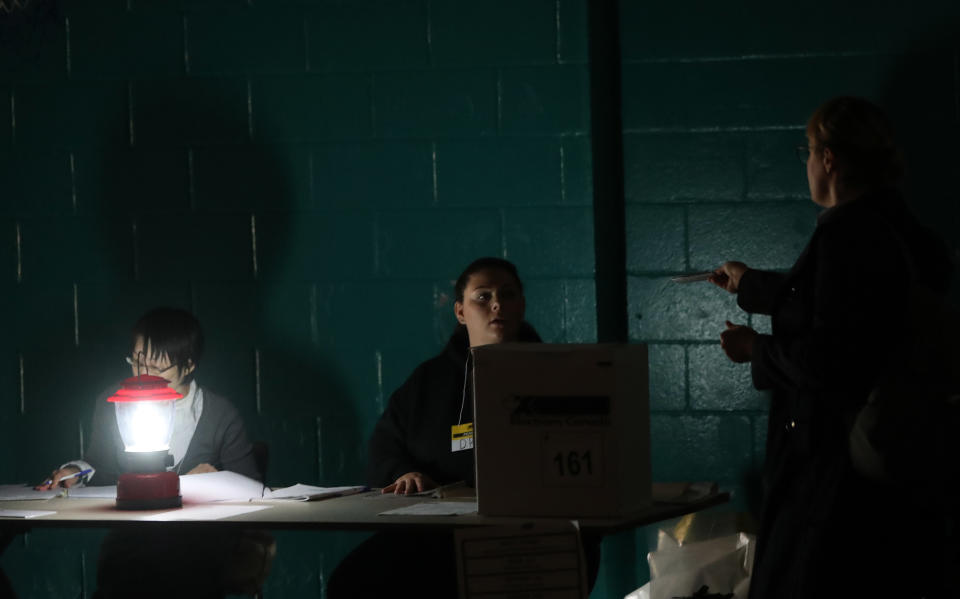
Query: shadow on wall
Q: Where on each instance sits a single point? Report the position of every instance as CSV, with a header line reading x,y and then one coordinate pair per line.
x,y
171,220
224,249
921,97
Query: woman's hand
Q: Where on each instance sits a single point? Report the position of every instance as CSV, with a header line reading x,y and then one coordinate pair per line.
x,y
411,482
54,480
202,468
737,342
728,276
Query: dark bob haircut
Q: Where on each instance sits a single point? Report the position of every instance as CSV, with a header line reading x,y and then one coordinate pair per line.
x,y
483,264
172,332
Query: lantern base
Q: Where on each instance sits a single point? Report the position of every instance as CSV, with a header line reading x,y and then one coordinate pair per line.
x,y
148,491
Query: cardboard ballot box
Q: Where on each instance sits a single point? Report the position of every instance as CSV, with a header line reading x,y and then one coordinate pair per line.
x,y
561,430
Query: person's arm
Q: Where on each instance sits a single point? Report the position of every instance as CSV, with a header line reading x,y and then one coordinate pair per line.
x,y
79,466
389,458
850,334
63,476
758,290
235,449
105,442
101,454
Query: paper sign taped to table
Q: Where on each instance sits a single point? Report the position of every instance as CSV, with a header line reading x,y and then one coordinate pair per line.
x,y
532,560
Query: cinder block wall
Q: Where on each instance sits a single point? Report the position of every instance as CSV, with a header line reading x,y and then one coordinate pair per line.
x,y
308,176
715,98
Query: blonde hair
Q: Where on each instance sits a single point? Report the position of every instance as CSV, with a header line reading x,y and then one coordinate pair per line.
x,y
859,134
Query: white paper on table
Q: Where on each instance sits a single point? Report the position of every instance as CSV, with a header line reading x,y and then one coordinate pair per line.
x,y
301,492
219,486
205,512
24,513
99,492
23,492
434,508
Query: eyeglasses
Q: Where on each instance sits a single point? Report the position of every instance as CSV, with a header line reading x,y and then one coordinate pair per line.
x,y
803,153
147,368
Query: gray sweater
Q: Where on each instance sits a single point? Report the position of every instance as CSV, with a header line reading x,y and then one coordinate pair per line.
x,y
219,440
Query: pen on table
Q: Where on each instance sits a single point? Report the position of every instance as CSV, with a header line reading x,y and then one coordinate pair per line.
x,y
69,476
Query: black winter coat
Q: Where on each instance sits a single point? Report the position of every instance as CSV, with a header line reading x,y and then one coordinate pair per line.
x,y
413,433
826,531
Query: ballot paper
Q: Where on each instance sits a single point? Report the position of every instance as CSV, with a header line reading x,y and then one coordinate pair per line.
x,y
205,512
219,486
692,278
25,493
434,508
301,492
24,513
99,492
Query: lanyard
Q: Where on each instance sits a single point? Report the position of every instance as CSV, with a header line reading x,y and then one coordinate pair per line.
x,y
463,400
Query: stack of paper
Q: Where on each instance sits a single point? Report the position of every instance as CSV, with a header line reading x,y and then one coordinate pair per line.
x,y
24,513
23,492
100,492
300,492
219,486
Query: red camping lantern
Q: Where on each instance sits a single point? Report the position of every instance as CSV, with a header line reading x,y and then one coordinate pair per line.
x,y
145,409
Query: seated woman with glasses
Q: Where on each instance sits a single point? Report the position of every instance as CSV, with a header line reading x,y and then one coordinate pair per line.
x,y
208,433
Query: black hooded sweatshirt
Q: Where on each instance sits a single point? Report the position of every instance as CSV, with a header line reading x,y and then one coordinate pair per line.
x,y
413,433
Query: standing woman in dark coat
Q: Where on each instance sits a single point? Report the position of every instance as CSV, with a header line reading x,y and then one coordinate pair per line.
x,y
837,315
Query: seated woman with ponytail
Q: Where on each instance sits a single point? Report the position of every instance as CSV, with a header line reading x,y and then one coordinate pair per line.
x,y
410,449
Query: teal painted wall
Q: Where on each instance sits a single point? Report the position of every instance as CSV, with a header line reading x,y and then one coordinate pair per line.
x,y
309,175
309,178
715,98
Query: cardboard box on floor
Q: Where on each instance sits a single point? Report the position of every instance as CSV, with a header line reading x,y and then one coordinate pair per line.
x,y
561,430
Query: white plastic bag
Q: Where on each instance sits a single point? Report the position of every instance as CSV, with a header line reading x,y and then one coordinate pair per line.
x,y
715,567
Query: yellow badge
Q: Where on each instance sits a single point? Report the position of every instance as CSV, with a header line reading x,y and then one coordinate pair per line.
x,y
461,436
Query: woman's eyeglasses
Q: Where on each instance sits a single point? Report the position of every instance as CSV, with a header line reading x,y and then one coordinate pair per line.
x,y
147,368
